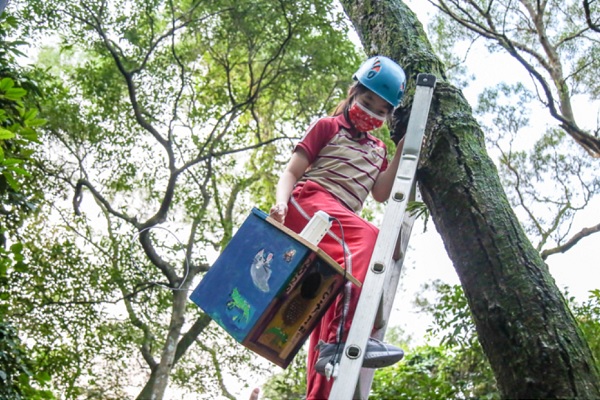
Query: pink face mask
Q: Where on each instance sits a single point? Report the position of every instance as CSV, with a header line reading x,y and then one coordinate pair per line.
x,y
364,119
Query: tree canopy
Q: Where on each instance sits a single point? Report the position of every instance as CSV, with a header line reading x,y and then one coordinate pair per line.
x,y
165,120
555,46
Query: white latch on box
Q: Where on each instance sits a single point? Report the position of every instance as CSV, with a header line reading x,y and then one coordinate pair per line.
x,y
317,227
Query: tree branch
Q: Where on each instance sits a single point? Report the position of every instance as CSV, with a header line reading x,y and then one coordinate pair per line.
x,y
141,287
228,152
217,369
166,268
191,335
590,143
588,17
97,26
78,196
172,31
146,348
585,232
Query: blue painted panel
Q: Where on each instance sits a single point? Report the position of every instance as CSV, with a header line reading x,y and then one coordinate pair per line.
x,y
251,271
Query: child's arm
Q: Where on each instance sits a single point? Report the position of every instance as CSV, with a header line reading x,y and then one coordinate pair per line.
x,y
383,185
293,171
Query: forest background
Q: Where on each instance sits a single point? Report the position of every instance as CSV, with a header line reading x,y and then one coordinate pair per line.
x,y
136,136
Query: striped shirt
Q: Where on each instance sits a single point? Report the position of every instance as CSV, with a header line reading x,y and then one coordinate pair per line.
x,y
346,166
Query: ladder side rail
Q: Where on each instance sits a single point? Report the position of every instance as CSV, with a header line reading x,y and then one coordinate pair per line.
x,y
390,286
382,260
390,290
378,308
366,375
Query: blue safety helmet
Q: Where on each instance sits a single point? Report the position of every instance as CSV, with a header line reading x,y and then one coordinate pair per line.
x,y
383,77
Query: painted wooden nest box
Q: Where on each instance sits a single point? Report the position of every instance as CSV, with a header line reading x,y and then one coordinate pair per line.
x,y
269,287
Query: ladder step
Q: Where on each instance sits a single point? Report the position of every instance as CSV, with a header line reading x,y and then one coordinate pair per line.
x,y
406,168
410,156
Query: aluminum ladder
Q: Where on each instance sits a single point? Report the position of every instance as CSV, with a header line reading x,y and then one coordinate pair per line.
x,y
379,288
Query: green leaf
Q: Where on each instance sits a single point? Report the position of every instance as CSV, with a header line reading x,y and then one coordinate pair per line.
x,y
20,266
6,84
24,379
43,377
17,247
11,161
15,93
11,181
18,43
26,153
18,52
29,134
35,122
30,114
20,171
5,134
12,21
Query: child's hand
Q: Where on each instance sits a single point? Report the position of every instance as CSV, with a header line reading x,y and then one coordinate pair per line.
x,y
279,211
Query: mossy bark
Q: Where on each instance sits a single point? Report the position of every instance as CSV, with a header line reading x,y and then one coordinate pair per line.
x,y
524,325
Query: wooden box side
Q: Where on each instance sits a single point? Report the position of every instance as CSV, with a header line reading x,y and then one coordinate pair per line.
x,y
285,326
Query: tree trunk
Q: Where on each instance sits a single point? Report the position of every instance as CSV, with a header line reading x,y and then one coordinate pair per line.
x,y
159,378
524,325
146,392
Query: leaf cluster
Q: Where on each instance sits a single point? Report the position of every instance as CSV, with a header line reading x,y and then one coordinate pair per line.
x,y
18,381
454,368
289,384
18,130
457,367
588,317
21,377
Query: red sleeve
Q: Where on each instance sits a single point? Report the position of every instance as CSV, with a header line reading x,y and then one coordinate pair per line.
x,y
318,134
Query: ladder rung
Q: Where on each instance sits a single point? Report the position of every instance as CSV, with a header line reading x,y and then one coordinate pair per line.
x,y
406,169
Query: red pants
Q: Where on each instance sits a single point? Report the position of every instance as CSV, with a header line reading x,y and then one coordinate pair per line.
x,y
360,237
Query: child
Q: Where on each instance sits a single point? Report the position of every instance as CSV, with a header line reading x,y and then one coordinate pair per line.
x,y
333,168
